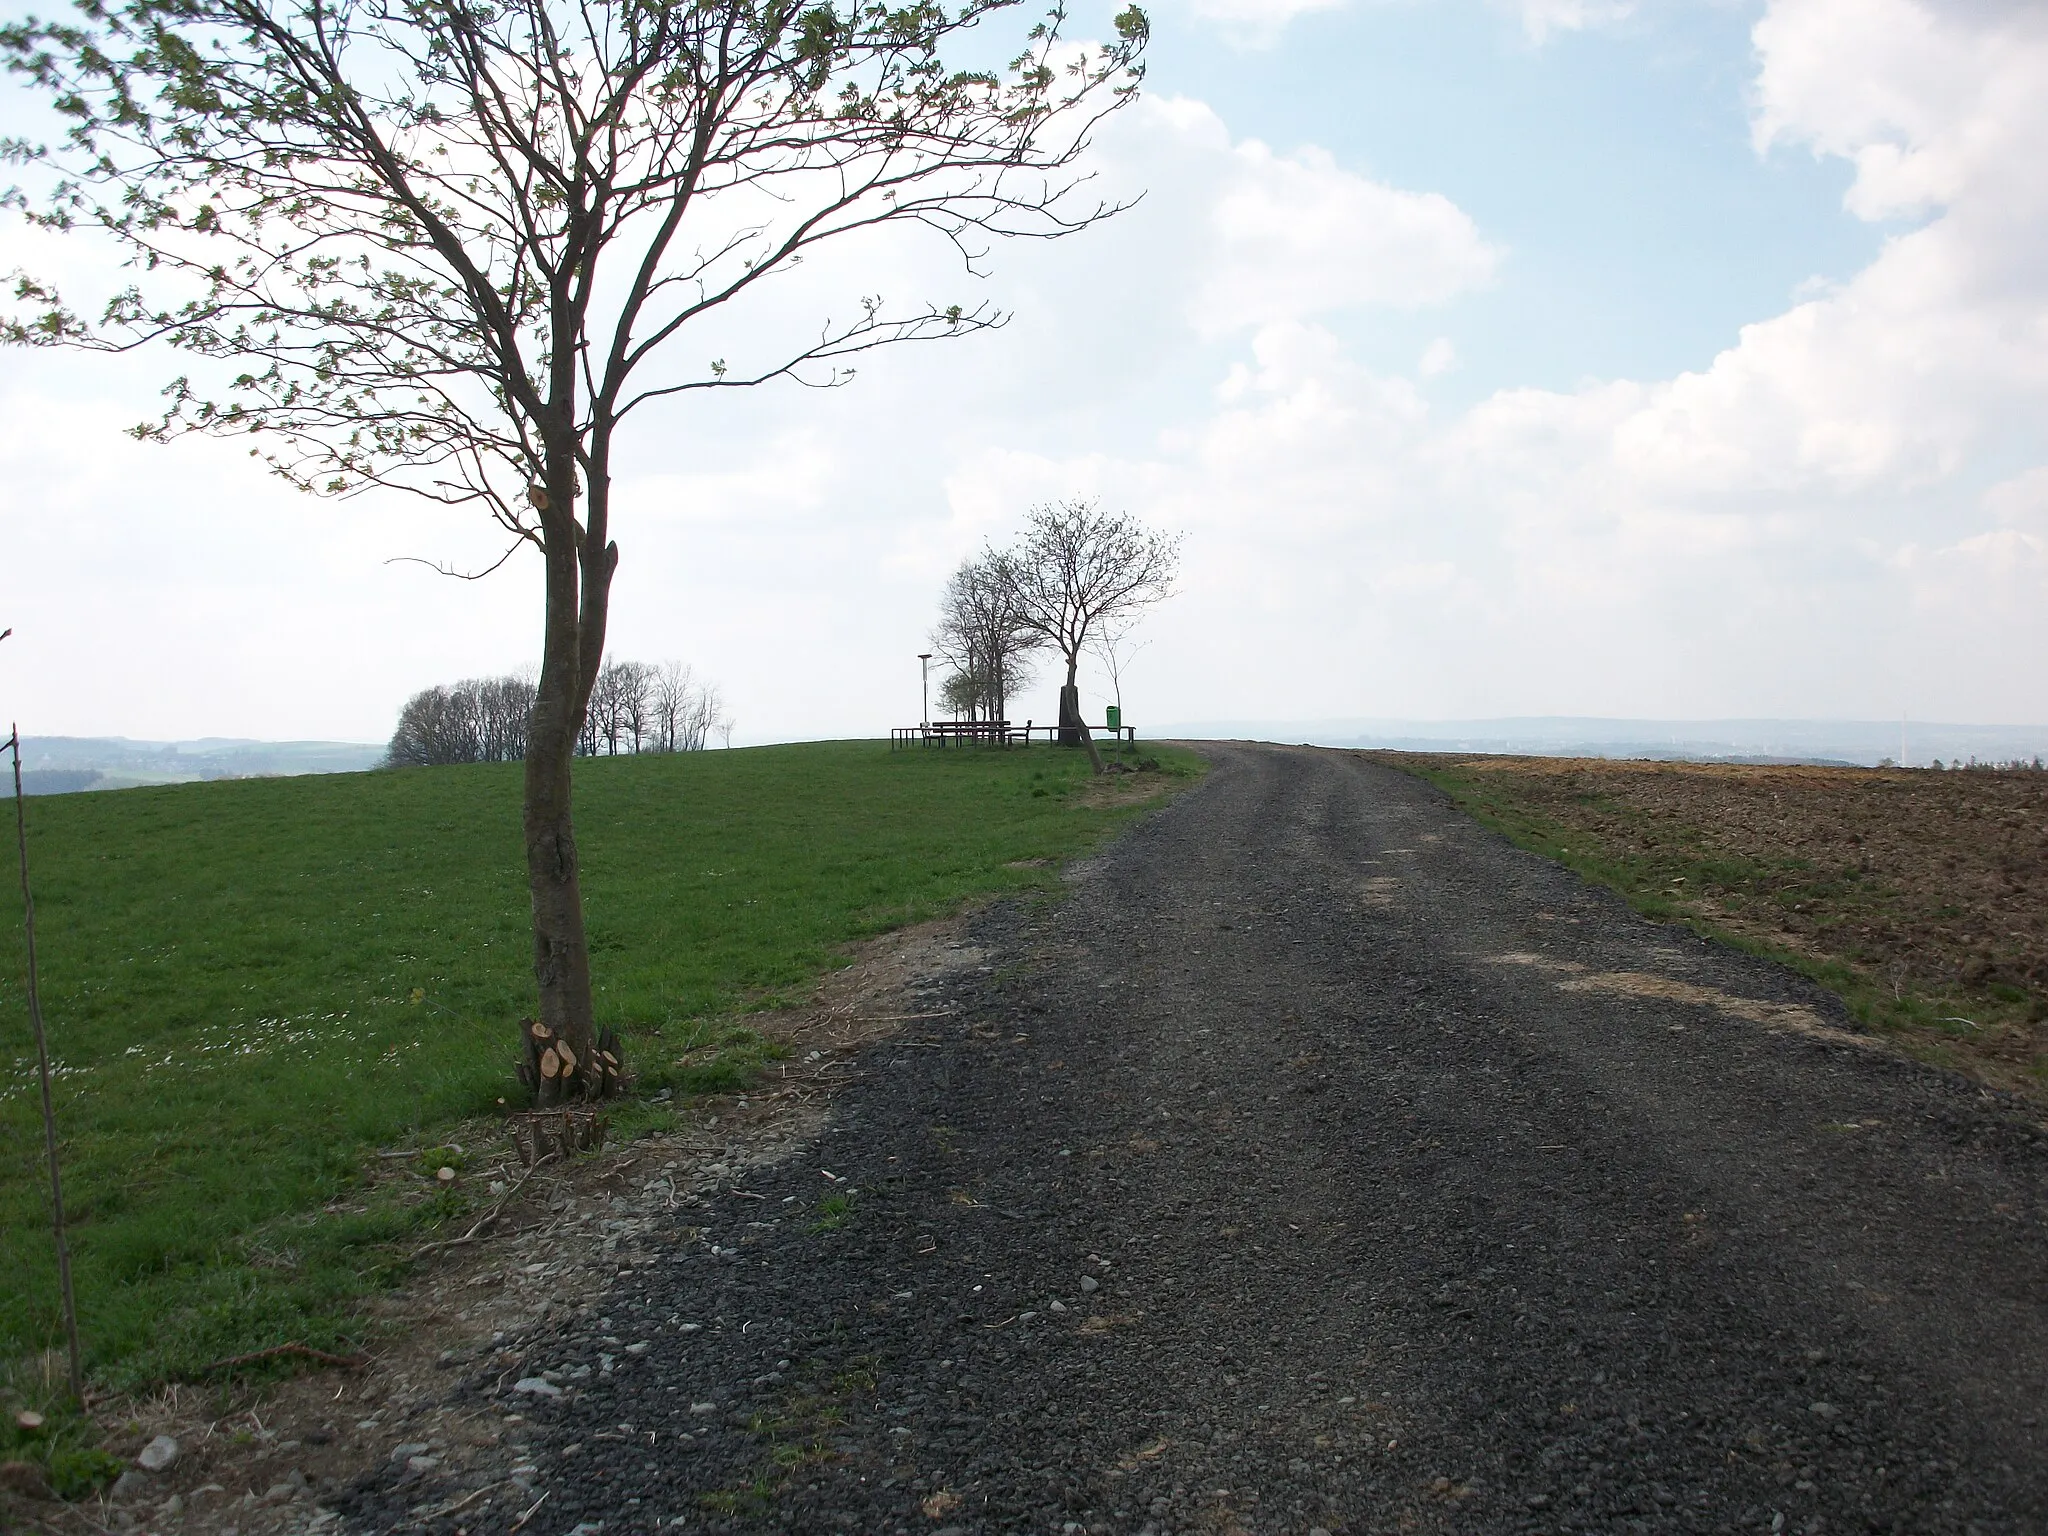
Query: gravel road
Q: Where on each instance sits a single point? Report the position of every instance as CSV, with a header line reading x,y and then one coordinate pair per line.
x,y
1325,1163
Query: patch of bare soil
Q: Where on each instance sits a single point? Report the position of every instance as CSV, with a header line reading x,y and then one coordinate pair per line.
x,y
265,1461
1124,785
1924,889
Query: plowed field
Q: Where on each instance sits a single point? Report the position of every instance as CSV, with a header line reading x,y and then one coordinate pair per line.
x,y
1916,894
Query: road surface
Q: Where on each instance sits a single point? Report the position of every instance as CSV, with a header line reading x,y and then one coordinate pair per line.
x,y
1322,1162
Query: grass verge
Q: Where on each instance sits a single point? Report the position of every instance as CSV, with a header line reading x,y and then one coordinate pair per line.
x,y
1911,894
253,986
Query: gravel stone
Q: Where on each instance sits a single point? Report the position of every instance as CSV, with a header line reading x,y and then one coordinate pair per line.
x,y
131,1484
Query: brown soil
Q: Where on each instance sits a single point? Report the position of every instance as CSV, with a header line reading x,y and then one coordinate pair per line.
x,y
260,1461
1127,787
1918,894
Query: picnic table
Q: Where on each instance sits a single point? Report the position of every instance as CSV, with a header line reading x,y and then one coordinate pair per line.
x,y
993,733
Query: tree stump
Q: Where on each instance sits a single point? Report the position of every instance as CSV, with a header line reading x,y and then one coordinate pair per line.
x,y
557,1133
555,1073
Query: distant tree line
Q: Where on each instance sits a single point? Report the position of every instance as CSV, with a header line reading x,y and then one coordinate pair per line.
x,y
635,706
638,707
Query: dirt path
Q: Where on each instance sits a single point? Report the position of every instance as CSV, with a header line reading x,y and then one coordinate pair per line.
x,y
1325,1163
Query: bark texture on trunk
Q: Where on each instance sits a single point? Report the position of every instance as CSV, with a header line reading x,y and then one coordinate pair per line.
x,y
1073,729
578,585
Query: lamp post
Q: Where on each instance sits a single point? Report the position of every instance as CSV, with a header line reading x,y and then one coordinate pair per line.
x,y
924,676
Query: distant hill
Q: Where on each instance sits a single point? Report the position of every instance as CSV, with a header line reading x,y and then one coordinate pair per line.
x,y
53,765
1865,742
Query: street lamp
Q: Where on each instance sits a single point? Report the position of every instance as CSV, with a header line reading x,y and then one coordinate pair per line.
x,y
924,674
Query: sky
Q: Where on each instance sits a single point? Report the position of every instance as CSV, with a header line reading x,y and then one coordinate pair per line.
x,y
1670,359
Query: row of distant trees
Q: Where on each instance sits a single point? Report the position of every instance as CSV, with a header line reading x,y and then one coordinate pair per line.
x,y
638,707
1077,579
635,706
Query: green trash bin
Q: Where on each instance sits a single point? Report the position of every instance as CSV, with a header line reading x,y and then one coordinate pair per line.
x,y
1116,720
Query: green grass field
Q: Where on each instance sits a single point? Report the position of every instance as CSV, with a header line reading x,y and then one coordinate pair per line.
x,y
250,986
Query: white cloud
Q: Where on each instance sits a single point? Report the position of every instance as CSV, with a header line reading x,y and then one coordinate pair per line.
x,y
1927,101
1799,527
1540,18
1299,235
1438,358
1891,382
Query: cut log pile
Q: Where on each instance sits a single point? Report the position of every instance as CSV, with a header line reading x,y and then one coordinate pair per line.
x,y
560,1078
557,1073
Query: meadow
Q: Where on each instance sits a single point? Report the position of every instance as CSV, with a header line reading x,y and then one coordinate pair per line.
x,y
254,987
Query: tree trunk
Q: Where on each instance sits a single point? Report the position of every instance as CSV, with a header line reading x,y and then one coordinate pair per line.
x,y
577,588
1073,729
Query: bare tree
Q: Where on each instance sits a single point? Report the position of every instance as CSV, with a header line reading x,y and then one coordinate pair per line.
x,y
618,716
504,717
682,712
982,636
636,699
1077,569
478,720
673,688
674,702
445,247
707,714
432,730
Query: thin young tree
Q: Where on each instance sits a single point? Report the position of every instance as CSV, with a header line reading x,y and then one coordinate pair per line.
x,y
1113,646
453,248
1077,569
